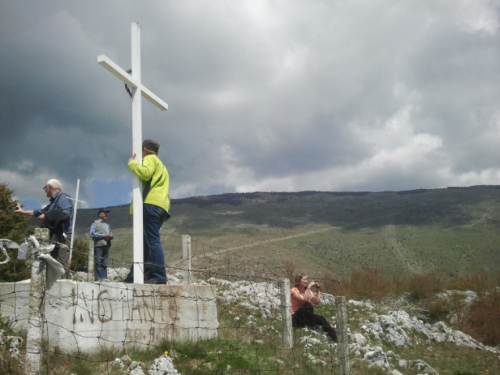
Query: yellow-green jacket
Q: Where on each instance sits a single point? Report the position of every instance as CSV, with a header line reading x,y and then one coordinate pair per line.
x,y
155,181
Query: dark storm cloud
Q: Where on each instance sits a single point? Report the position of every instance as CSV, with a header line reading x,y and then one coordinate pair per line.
x,y
364,95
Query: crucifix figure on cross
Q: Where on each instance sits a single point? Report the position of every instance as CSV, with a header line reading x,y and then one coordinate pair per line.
x,y
133,80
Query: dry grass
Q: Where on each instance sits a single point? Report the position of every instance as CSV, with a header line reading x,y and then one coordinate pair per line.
x,y
426,285
367,283
477,282
482,320
479,319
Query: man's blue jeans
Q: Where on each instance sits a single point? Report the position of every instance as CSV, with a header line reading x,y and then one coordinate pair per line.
x,y
154,259
101,254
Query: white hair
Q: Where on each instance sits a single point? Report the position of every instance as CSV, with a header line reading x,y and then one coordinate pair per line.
x,y
56,184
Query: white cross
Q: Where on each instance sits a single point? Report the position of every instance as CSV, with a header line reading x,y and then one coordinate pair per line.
x,y
133,80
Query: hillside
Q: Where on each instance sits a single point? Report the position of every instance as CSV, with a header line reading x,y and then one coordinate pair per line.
x,y
454,229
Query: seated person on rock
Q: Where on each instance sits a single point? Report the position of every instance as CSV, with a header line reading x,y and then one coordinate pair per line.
x,y
303,295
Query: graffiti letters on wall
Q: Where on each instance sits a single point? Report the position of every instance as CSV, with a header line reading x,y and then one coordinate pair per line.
x,y
99,306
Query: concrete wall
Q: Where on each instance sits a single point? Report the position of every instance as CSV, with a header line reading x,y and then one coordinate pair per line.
x,y
87,316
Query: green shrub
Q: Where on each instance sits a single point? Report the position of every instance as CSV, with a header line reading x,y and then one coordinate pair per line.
x,y
12,227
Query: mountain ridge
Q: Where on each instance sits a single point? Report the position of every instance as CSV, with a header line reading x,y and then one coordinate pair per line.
x,y
445,204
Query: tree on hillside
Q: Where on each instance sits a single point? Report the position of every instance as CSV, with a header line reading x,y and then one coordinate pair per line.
x,y
80,255
12,227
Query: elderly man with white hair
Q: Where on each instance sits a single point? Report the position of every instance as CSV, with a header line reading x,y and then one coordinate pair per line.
x,y
58,217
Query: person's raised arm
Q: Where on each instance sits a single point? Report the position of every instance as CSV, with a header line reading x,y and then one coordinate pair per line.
x,y
36,213
144,171
315,295
307,296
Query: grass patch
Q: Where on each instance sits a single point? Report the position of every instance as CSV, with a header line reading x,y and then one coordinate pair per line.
x,y
450,359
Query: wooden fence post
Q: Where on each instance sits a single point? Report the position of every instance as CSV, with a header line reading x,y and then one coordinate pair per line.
x,y
33,359
343,344
186,257
286,313
90,261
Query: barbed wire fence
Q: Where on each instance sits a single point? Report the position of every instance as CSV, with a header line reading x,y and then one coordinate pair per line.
x,y
233,279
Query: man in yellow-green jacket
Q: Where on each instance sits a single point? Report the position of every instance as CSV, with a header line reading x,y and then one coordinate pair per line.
x,y
156,206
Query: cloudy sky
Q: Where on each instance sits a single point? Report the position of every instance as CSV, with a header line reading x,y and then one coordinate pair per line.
x,y
263,95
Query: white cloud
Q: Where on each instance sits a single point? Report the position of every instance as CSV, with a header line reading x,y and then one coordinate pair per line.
x,y
478,16
263,95
490,176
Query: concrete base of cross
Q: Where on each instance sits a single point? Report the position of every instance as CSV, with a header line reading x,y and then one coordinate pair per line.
x,y
86,317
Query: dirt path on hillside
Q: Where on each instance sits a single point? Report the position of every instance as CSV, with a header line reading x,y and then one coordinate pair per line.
x,y
235,248
400,250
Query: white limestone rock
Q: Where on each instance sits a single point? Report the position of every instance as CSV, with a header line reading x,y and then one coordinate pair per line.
x,y
163,366
377,357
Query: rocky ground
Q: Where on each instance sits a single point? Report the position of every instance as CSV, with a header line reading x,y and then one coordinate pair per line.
x,y
398,325
395,325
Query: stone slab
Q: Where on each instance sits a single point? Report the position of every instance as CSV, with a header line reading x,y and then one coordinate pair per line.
x,y
84,316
